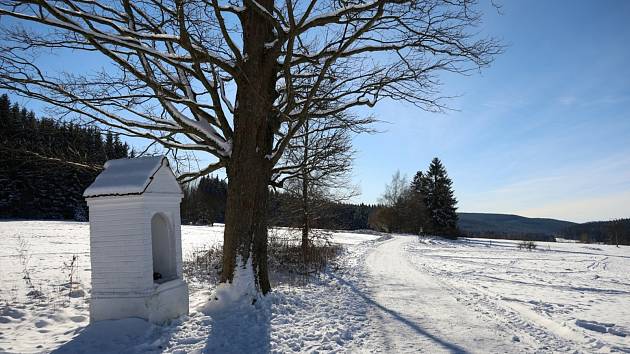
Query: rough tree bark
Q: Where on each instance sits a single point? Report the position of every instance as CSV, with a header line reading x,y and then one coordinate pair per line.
x,y
249,169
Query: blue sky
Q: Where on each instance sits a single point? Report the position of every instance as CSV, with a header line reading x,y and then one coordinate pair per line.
x,y
543,132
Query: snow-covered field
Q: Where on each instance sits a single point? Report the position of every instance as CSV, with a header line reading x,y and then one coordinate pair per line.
x,y
401,294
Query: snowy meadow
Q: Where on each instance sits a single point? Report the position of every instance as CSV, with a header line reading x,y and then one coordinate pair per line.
x,y
383,294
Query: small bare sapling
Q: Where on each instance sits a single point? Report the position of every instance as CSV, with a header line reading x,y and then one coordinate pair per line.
x,y
71,269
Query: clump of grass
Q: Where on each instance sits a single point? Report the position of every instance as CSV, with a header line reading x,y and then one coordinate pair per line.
x,y
527,245
286,256
204,264
286,260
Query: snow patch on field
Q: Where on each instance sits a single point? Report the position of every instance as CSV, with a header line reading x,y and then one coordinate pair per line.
x,y
383,294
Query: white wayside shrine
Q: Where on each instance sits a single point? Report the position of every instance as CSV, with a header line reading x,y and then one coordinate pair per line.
x,y
135,241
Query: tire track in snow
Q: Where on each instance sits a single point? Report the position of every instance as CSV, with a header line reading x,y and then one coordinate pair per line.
x,y
543,334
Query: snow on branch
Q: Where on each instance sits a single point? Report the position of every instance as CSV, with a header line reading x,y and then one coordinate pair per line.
x,y
154,63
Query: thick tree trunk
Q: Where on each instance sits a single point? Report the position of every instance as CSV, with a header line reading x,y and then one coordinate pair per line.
x,y
246,214
249,168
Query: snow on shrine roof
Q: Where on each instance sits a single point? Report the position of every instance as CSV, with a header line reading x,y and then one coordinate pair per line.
x,y
126,176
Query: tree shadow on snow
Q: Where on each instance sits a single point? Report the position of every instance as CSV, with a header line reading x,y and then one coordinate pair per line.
x,y
246,330
115,336
451,347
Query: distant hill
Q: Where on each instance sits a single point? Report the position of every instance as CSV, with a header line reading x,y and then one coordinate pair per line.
x,y
479,224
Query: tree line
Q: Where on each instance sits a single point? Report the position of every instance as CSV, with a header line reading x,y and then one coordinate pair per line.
x,y
426,205
204,203
520,236
614,232
46,165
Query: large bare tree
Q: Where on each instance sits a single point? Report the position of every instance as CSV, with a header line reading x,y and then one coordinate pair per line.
x,y
237,79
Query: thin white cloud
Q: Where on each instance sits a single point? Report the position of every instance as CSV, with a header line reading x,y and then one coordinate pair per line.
x,y
606,207
599,190
567,100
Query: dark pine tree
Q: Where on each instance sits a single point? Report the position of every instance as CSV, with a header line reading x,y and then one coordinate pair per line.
x,y
440,200
45,165
419,215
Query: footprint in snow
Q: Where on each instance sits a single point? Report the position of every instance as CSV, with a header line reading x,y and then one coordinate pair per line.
x,y
78,319
41,323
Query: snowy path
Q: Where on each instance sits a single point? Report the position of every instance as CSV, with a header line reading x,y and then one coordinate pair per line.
x,y
544,301
415,312
481,296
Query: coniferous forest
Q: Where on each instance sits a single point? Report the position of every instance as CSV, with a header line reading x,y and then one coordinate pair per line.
x,y
204,203
614,232
46,165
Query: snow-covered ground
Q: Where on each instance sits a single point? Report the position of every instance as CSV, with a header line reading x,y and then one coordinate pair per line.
x,y
488,296
401,294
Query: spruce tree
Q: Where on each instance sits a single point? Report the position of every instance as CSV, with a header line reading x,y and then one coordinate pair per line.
x,y
109,145
440,199
417,203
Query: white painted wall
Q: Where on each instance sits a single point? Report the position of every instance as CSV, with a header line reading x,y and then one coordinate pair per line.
x,y
119,245
164,182
121,249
